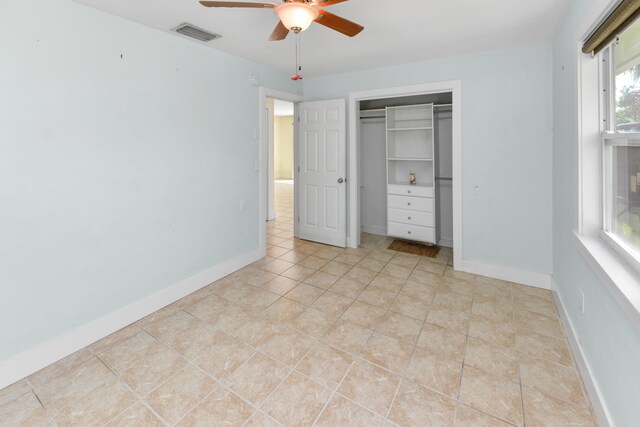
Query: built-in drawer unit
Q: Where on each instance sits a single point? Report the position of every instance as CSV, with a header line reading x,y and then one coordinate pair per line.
x,y
412,232
410,190
422,204
425,219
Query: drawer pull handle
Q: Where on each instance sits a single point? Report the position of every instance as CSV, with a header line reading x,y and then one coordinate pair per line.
x,y
409,232
409,218
408,203
409,191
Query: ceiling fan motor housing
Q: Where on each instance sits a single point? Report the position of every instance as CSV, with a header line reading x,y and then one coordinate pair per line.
x,y
296,16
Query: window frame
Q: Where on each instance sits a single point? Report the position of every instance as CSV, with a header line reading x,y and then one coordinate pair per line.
x,y
617,276
608,137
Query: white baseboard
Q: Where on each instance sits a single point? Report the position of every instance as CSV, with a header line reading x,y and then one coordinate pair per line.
x,y
446,243
380,231
33,360
528,278
593,390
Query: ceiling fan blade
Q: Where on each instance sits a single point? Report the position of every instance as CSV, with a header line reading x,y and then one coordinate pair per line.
x,y
339,24
236,4
280,32
325,3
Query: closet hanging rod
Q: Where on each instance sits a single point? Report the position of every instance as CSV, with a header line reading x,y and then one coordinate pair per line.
x,y
443,179
373,117
384,108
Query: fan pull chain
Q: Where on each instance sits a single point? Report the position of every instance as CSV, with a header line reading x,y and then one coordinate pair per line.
x,y
298,70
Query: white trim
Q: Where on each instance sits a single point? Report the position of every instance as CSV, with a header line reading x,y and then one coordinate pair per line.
x,y
453,86
538,280
446,243
264,151
628,254
270,131
378,231
594,393
588,124
33,360
618,278
589,148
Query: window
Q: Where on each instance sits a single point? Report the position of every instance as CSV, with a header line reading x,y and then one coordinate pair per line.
x,y
621,143
609,152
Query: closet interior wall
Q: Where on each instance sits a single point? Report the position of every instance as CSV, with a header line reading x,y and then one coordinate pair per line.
x,y
443,122
372,161
373,179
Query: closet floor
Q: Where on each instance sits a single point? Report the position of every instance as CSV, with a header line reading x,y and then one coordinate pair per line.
x,y
318,335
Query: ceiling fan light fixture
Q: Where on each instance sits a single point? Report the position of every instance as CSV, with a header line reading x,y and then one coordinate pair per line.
x,y
296,16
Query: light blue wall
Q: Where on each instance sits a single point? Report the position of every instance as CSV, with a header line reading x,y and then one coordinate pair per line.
x,y
119,177
611,343
506,146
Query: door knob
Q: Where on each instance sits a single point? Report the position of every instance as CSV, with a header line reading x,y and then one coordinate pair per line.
x,y
340,180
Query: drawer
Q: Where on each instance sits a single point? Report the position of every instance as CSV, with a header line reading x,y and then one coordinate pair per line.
x,y
411,232
411,203
425,219
410,190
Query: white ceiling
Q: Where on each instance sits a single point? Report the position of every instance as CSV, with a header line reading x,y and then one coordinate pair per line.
x,y
396,31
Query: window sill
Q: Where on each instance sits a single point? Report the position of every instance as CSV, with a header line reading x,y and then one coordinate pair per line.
x,y
620,279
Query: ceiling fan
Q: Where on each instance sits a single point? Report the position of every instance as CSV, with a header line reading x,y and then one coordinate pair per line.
x,y
297,15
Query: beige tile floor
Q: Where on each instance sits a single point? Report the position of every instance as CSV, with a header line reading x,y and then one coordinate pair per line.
x,y
317,335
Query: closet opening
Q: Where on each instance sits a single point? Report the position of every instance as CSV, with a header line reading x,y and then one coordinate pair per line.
x,y
405,158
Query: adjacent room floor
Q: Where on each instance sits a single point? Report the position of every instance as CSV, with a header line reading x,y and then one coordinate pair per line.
x,y
317,335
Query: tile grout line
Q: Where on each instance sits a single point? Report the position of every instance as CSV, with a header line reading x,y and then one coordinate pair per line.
x,y
291,370
139,398
513,315
334,392
32,389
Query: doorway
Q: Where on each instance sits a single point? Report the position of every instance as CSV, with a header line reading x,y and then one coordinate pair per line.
x,y
319,187
280,128
277,195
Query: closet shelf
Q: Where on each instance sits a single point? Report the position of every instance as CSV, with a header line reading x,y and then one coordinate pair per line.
x,y
414,128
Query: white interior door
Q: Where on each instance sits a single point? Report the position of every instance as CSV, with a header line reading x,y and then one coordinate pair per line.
x,y
322,172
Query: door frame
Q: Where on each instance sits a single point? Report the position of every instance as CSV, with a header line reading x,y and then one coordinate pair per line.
x,y
262,166
353,152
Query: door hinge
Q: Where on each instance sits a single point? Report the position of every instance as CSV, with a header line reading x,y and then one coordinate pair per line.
x,y
298,220
298,119
298,169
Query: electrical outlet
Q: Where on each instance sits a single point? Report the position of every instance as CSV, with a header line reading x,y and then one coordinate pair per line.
x,y
581,302
243,205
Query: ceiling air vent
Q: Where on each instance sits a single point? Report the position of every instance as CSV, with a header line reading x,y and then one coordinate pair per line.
x,y
196,33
